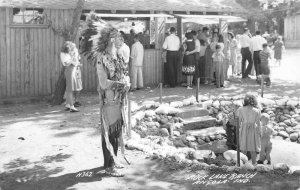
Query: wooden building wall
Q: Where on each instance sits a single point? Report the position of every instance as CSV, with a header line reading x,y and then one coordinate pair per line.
x,y
292,31
30,63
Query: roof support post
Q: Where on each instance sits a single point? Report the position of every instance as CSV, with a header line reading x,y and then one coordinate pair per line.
x,y
179,28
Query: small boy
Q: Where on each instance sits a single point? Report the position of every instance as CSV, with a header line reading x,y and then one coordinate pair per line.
x,y
266,144
219,61
264,56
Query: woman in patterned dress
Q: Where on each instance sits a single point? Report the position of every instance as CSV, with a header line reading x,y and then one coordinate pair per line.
x,y
189,59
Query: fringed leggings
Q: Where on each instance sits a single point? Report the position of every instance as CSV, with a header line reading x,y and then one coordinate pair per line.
x,y
113,135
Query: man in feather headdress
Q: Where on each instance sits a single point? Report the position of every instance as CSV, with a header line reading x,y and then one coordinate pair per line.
x,y
101,41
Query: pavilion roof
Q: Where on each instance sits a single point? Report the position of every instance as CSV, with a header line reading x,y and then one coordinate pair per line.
x,y
188,6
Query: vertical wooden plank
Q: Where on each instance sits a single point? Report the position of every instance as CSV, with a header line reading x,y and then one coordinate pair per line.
x,y
8,60
31,62
22,61
18,61
48,62
12,70
36,61
40,63
3,54
27,61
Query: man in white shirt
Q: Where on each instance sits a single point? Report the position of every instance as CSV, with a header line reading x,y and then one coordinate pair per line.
x,y
245,42
124,51
256,46
137,57
172,45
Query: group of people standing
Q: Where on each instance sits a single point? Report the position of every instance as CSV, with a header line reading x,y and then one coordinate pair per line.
x,y
205,56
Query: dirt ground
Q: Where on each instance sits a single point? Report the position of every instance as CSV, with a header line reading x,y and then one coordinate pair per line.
x,y
42,147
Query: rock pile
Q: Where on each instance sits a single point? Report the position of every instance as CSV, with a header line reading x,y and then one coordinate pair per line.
x,y
284,113
154,123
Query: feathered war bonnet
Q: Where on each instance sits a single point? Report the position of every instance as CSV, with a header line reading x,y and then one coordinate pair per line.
x,y
96,36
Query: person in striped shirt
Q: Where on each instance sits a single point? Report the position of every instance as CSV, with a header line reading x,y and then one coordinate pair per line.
x,y
264,61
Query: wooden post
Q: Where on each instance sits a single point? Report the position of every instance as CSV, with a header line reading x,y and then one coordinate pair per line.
x,y
197,90
129,119
262,85
160,93
180,77
238,143
179,28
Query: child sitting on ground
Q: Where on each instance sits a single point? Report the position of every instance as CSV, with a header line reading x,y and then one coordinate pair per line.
x,y
264,56
266,144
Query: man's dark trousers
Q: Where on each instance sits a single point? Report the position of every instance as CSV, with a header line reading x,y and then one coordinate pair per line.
x,y
256,61
246,55
172,64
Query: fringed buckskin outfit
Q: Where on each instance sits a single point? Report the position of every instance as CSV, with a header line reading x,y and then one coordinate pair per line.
x,y
112,100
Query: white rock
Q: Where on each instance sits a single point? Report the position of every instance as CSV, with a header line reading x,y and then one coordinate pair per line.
x,y
135,136
225,103
267,102
216,104
186,102
263,168
139,115
281,166
176,104
207,103
281,102
191,138
173,111
179,157
133,122
193,100
157,104
232,155
294,170
283,134
162,109
164,132
148,104
203,98
227,98
292,103
134,106
213,98
176,133
238,103
201,154
150,113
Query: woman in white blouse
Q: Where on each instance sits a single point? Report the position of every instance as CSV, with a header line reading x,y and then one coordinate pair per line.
x,y
70,59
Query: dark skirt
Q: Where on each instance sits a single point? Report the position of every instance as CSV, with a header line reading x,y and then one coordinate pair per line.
x,y
231,136
189,65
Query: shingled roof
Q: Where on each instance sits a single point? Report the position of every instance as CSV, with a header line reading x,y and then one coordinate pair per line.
x,y
136,5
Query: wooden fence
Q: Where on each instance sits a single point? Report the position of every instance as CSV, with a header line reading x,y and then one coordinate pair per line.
x,y
292,31
30,63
